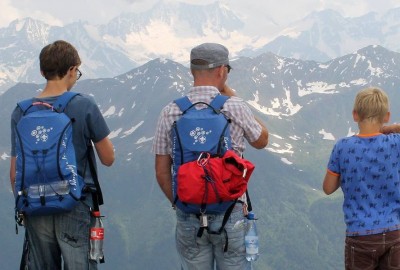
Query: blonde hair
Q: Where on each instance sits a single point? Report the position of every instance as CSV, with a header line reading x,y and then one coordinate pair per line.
x,y
371,103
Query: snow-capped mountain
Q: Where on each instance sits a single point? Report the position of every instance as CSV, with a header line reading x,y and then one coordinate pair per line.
x,y
20,44
22,40
170,29
327,34
306,106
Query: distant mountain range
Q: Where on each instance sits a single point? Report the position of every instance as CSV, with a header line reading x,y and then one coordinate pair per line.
x,y
170,29
306,106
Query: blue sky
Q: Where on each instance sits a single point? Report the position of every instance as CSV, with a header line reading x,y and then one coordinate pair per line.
x,y
257,12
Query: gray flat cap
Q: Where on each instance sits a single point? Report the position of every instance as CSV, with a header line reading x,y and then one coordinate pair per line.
x,y
213,54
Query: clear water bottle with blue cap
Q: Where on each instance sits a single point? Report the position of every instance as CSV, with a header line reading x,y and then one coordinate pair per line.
x,y
251,238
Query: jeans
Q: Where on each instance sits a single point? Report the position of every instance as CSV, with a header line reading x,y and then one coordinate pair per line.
x,y
378,251
61,238
202,253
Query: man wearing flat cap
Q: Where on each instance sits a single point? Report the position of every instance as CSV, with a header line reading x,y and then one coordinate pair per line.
x,y
209,64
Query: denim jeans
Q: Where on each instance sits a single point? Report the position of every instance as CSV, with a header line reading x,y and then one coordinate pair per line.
x,y
377,251
59,236
202,253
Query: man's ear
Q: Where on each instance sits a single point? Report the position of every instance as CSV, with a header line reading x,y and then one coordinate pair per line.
x,y
221,71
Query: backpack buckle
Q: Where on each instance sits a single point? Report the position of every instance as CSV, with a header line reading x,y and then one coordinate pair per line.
x,y
203,159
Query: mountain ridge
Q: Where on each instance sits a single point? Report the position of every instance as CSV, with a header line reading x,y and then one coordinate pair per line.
x,y
170,30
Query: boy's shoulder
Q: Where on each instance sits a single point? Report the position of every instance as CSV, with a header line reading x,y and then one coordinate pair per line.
x,y
381,138
82,102
346,139
83,98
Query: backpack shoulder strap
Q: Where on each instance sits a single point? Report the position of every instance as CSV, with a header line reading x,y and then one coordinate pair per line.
x,y
97,194
25,104
183,103
61,103
219,101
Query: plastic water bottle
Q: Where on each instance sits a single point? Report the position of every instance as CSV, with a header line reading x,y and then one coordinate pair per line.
x,y
50,189
96,238
251,238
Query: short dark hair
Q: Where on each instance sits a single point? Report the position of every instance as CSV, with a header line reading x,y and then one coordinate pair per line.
x,y
57,58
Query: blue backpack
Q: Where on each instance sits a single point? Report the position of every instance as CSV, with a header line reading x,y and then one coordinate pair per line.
x,y
47,181
195,134
205,171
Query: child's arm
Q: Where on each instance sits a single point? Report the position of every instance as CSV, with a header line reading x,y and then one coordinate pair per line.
x,y
395,128
331,182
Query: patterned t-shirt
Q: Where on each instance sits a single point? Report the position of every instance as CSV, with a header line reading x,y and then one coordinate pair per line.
x,y
368,167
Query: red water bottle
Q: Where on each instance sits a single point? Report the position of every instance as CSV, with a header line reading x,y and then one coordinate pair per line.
x,y
97,238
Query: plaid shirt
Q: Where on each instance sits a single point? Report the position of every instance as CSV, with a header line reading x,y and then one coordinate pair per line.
x,y
243,125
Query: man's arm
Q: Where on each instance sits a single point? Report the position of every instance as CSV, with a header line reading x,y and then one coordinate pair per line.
x,y
331,183
105,151
262,141
394,128
164,175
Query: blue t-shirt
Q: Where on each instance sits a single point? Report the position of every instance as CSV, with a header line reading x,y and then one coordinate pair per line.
x,y
88,126
369,177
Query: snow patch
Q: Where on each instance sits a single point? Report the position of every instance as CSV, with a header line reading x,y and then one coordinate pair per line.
x,y
5,156
360,81
326,135
277,148
143,140
109,112
132,129
286,161
350,132
295,137
284,105
316,87
115,133
276,136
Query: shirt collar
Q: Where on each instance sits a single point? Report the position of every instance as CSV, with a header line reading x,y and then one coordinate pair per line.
x,y
204,90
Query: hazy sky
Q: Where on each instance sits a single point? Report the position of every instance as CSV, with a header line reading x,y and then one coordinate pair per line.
x,y
255,12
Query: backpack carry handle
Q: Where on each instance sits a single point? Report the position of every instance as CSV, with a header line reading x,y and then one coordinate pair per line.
x,y
41,103
201,102
28,105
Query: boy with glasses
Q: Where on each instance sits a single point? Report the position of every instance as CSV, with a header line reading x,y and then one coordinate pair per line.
x,y
61,241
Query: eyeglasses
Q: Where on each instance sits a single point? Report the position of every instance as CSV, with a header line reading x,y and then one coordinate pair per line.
x,y
228,67
79,74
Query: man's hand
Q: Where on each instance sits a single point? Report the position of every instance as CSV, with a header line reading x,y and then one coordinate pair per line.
x,y
227,91
395,128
